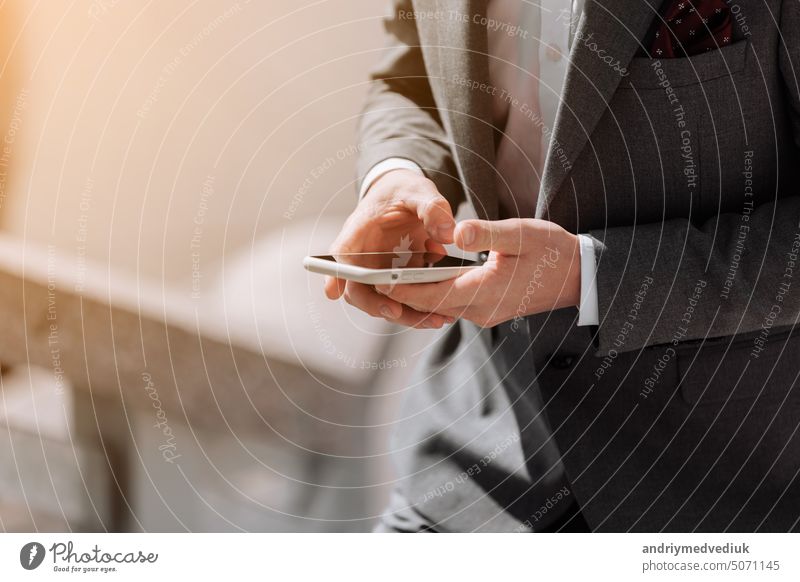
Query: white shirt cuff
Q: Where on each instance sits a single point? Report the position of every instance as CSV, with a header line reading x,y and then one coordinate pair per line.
x,y
589,312
387,165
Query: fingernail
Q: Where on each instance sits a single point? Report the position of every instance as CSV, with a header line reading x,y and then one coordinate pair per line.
x,y
467,234
427,324
444,230
387,312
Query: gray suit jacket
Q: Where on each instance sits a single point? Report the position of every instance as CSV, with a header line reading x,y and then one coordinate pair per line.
x,y
680,411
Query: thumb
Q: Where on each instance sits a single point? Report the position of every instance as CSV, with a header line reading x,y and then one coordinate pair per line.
x,y
502,236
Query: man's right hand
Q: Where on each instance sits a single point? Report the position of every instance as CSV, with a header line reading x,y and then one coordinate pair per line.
x,y
400,206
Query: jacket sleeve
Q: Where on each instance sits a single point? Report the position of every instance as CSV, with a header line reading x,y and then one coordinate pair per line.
x,y
400,118
676,281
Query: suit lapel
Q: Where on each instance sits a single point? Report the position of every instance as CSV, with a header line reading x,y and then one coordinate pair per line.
x,y
615,27
455,46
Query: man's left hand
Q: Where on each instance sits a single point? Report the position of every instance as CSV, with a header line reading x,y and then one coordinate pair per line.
x,y
533,267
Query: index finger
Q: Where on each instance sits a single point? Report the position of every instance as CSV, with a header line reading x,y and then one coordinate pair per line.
x,y
445,295
334,288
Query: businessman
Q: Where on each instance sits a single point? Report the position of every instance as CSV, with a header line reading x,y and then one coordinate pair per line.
x,y
626,359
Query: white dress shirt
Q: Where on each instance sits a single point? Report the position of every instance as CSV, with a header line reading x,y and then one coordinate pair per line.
x,y
549,25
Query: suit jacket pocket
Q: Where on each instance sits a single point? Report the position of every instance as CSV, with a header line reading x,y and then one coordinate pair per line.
x,y
645,73
728,369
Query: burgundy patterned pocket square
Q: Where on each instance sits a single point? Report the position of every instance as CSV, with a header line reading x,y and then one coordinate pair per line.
x,y
690,27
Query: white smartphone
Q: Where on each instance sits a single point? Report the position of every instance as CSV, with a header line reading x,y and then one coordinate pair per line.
x,y
391,268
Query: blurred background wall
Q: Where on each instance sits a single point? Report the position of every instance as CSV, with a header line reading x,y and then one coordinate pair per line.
x,y
127,111
184,148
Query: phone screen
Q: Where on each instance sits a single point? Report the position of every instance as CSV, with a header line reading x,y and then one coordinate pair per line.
x,y
400,260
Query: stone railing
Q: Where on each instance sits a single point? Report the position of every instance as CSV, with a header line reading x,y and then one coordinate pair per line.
x,y
120,349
